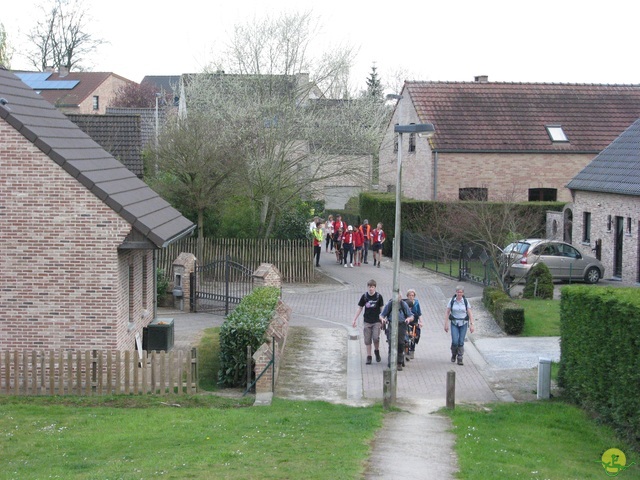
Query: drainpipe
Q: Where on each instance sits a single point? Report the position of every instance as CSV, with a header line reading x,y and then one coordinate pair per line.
x,y
435,176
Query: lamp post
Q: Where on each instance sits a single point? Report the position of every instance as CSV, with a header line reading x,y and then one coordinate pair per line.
x,y
422,129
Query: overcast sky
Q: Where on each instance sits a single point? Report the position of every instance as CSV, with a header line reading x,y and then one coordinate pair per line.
x,y
553,41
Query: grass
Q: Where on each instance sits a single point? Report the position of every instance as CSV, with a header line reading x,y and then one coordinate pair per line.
x,y
541,440
209,359
541,317
207,437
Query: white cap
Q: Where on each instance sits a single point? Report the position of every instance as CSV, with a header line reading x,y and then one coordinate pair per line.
x,y
350,228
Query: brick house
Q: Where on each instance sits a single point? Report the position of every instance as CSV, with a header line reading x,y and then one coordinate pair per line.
x,y
76,92
502,141
606,207
78,232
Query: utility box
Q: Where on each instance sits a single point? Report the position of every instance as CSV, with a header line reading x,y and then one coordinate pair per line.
x,y
544,378
158,335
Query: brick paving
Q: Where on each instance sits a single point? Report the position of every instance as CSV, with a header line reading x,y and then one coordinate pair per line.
x,y
333,304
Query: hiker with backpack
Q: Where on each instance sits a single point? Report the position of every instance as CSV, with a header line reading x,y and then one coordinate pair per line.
x,y
371,301
459,316
404,318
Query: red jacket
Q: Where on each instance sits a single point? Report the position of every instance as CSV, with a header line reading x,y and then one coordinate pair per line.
x,y
339,225
358,238
347,237
378,236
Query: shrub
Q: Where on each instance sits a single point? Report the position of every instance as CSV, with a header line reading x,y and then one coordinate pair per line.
x,y
243,327
509,315
539,282
162,282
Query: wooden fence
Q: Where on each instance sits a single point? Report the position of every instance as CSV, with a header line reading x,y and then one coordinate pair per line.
x,y
96,372
294,258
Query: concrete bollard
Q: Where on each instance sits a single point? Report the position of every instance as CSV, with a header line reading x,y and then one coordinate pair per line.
x,y
451,389
544,378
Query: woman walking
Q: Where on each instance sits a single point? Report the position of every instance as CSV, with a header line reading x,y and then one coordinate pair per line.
x,y
459,316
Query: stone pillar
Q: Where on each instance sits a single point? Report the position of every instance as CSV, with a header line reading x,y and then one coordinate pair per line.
x,y
183,267
262,358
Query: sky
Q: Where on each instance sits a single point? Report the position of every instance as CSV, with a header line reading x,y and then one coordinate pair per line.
x,y
549,41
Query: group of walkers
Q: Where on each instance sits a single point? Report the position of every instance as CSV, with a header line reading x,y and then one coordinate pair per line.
x,y
351,243
378,317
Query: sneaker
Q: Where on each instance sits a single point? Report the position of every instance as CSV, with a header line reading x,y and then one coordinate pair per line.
x,y
365,262
351,265
378,357
345,265
453,358
378,264
369,360
460,361
399,367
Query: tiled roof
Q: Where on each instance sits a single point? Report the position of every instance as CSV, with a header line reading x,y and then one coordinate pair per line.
x,y
117,134
616,169
88,82
511,117
165,83
64,143
147,121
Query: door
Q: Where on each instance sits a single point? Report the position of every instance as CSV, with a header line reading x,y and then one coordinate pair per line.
x,y
617,242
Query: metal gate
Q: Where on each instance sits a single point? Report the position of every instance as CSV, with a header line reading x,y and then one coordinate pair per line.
x,y
219,286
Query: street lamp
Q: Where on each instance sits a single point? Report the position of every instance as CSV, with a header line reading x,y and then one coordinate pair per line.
x,y
423,130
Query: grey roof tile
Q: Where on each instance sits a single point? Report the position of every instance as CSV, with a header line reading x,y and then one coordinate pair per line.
x,y
616,169
108,179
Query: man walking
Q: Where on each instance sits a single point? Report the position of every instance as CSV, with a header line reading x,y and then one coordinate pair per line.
x,y
372,303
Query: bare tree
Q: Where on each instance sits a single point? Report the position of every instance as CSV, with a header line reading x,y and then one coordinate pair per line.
x,y
60,37
295,139
6,52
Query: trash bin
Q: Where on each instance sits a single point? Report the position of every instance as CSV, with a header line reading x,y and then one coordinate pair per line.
x,y
158,335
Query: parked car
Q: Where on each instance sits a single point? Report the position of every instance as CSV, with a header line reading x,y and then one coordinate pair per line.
x,y
565,262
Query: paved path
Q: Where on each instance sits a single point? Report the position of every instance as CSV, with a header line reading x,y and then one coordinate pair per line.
x,y
325,360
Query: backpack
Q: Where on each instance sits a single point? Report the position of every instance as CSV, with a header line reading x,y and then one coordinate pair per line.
x,y
466,306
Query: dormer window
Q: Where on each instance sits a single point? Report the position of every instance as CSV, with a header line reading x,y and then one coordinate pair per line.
x,y
556,133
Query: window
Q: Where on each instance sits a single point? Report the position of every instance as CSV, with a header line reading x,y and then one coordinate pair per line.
x,y
145,283
412,142
543,194
472,193
608,223
586,227
395,142
96,102
556,133
132,283
628,225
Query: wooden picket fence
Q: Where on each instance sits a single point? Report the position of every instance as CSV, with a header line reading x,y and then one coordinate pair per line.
x,y
294,258
97,372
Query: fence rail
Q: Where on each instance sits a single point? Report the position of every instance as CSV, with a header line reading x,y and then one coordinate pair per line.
x,y
294,258
97,372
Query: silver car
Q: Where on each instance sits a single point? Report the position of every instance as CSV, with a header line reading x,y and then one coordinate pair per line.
x,y
565,262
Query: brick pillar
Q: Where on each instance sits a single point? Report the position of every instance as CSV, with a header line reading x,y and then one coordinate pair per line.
x,y
183,267
261,358
267,275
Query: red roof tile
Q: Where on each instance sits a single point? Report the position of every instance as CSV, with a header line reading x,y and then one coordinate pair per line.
x,y
511,117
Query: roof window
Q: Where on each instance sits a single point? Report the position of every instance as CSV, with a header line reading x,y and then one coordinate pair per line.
x,y
556,133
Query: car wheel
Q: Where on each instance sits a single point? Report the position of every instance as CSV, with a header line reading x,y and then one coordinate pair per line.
x,y
592,275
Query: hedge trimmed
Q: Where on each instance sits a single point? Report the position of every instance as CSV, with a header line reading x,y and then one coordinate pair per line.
x,y
600,353
508,314
246,325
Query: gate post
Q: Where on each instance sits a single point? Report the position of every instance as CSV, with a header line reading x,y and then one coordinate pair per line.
x,y
183,267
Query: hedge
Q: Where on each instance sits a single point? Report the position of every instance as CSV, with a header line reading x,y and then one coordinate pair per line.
x,y
245,326
600,353
509,315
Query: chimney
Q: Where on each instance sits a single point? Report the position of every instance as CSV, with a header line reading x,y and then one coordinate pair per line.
x,y
63,71
481,78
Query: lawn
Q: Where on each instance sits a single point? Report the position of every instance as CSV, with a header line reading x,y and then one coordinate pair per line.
x,y
537,440
541,317
206,437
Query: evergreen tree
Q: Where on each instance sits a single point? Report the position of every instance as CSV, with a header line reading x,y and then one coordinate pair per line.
x,y
374,86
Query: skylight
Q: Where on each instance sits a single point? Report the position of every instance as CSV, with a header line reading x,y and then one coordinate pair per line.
x,y
556,134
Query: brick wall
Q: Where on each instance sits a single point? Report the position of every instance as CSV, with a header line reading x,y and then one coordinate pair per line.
x,y
601,206
65,283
